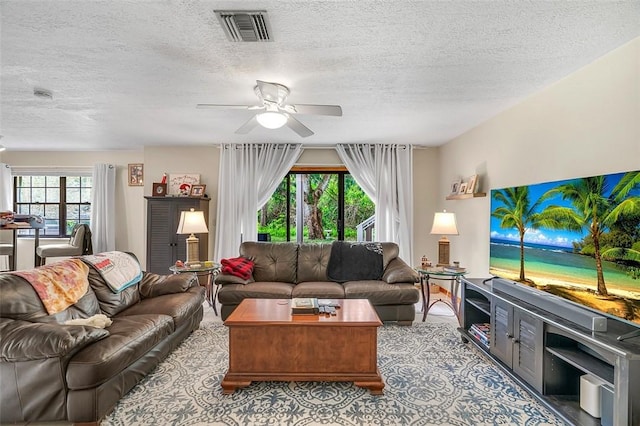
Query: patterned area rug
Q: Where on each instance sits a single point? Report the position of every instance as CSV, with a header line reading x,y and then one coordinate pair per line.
x,y
431,378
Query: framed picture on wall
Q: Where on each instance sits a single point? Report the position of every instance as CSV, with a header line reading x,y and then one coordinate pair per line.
x,y
136,175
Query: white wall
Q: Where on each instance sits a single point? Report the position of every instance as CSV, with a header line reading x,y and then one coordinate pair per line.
x,y
584,125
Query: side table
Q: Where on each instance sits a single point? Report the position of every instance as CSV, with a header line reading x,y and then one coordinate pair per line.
x,y
210,272
453,277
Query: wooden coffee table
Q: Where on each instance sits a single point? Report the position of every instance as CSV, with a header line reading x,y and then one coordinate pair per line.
x,y
267,343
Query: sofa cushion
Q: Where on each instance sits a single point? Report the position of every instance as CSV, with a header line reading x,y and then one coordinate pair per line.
x,y
233,294
275,262
312,262
180,306
130,337
319,289
111,303
381,293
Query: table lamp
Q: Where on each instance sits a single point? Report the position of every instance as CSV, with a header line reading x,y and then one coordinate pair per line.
x,y
444,224
192,222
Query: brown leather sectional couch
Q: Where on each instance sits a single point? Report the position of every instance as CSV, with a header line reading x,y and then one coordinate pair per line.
x,y
286,270
77,373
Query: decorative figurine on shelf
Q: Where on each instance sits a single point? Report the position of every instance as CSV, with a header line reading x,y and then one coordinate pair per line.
x,y
185,189
164,179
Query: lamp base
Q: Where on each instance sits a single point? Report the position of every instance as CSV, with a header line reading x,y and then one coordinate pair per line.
x,y
193,250
443,252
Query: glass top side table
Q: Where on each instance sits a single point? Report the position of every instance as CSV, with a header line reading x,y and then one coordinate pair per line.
x,y
201,271
439,274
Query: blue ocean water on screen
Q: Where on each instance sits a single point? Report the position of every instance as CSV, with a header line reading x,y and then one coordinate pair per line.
x,y
557,263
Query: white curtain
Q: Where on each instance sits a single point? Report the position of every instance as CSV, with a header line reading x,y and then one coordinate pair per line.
x,y
249,174
103,210
6,188
385,174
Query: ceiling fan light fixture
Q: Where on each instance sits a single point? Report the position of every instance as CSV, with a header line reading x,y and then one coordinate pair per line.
x,y
272,120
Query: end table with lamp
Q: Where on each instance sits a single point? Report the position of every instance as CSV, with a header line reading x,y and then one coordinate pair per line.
x,y
205,269
452,275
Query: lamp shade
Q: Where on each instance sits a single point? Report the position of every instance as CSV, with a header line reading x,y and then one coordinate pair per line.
x,y
272,120
444,223
192,222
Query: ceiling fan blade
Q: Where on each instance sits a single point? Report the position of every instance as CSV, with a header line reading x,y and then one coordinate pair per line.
x,y
334,110
219,106
298,127
248,126
269,91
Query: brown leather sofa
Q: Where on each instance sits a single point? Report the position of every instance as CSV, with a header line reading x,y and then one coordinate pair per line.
x,y
77,373
287,270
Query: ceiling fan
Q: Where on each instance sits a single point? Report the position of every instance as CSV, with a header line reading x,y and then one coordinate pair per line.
x,y
274,113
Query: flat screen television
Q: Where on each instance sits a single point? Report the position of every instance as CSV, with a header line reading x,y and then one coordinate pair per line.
x,y
577,238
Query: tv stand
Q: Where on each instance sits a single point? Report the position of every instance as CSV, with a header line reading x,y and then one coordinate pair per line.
x,y
547,353
631,334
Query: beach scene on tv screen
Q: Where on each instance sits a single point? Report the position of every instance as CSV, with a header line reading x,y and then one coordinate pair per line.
x,y
575,238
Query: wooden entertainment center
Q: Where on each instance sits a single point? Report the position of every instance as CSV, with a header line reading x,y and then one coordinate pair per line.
x,y
548,350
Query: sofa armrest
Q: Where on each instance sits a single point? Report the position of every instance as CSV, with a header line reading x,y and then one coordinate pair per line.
x,y
232,279
27,341
154,285
399,272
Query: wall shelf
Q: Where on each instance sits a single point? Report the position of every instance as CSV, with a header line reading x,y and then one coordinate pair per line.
x,y
465,196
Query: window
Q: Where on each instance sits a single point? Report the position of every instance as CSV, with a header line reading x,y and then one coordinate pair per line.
x,y
332,207
63,201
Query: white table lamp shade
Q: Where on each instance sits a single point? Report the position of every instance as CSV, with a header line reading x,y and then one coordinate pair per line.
x,y
444,224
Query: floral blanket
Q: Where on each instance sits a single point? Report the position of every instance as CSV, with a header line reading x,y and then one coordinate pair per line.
x,y
58,285
119,269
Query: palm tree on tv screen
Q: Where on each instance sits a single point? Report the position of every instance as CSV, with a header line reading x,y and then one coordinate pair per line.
x,y
596,210
518,212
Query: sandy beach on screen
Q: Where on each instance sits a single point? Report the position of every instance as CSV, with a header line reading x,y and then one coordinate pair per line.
x,y
620,303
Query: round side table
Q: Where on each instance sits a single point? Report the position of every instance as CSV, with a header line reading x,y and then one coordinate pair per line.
x,y
453,277
210,272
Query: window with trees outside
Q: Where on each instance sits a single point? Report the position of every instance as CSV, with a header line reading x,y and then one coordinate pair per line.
x,y
317,206
63,201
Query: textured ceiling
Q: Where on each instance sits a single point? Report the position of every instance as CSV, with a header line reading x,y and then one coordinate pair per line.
x,y
127,74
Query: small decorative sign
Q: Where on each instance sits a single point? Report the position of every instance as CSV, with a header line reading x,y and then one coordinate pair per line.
x,y
181,183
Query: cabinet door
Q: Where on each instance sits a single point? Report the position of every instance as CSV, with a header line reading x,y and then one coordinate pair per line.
x,y
160,240
527,349
502,331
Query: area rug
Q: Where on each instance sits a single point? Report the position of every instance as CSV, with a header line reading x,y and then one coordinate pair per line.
x,y
431,378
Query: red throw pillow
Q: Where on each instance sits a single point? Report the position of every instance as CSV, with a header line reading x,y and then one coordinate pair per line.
x,y
238,266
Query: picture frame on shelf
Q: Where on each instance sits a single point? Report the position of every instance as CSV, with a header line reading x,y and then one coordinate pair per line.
x,y
455,187
197,190
159,189
472,184
136,174
463,188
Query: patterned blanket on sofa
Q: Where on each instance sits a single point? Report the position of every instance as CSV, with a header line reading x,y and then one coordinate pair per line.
x,y
60,284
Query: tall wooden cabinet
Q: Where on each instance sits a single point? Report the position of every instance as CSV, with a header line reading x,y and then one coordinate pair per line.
x,y
164,245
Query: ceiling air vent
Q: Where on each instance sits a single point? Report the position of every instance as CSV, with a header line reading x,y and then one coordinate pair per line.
x,y
243,25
